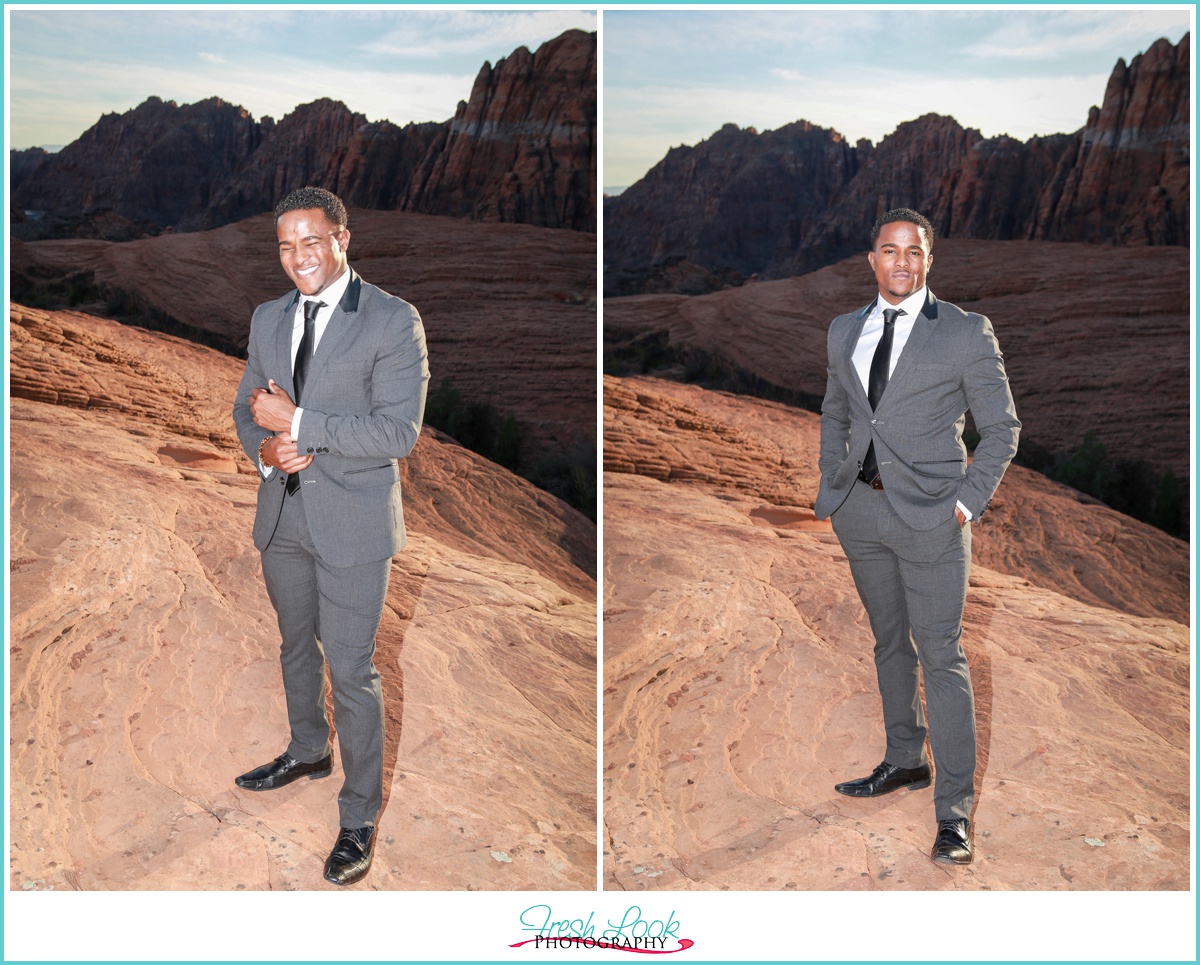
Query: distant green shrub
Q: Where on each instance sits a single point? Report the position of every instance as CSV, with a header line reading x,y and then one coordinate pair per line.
x,y
1133,487
478,426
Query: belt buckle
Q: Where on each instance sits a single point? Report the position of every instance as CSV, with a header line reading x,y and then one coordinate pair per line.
x,y
877,483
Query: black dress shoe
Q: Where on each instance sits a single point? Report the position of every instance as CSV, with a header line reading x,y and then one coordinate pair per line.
x,y
350,859
953,842
282,771
885,779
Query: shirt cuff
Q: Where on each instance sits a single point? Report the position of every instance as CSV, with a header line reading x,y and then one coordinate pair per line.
x,y
966,512
265,470
296,422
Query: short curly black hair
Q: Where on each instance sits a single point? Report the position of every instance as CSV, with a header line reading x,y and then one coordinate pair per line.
x,y
304,199
903,214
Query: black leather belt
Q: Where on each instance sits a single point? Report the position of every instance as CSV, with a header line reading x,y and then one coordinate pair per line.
x,y
876,483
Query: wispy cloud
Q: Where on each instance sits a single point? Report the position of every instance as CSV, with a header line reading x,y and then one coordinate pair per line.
x,y
674,79
1072,32
72,66
478,33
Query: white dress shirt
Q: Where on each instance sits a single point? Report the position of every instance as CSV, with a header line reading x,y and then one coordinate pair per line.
x,y
330,296
872,332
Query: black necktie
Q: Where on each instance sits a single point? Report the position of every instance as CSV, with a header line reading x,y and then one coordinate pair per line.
x,y
877,381
305,351
300,369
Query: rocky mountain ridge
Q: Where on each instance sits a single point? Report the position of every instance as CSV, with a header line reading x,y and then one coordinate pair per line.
x,y
785,202
521,149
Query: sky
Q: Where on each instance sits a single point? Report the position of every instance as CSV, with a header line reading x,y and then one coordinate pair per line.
x,y
68,67
675,77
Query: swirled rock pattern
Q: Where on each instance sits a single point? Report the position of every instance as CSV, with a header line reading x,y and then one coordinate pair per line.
x,y
739,685
144,656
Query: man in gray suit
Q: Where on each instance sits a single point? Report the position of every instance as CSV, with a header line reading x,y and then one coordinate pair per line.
x,y
895,481
332,396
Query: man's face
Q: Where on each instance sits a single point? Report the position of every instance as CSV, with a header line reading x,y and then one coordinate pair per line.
x,y
901,260
311,249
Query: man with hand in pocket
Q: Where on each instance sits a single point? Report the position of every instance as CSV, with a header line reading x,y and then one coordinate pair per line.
x,y
895,482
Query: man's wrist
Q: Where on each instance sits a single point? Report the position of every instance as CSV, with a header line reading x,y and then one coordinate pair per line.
x,y
264,467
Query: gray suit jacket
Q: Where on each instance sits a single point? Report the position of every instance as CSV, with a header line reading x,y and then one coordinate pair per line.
x,y
950,363
364,399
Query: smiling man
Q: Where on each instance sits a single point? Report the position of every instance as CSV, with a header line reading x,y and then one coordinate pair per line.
x,y
895,480
332,396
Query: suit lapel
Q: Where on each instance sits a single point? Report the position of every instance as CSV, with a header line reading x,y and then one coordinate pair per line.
x,y
923,328
336,329
855,334
283,346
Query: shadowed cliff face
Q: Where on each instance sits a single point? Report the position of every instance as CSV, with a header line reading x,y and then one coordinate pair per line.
x,y
739,685
509,310
144,653
521,150
789,201
1094,337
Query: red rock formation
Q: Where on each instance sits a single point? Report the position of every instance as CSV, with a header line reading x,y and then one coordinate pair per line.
x,y
368,165
509,309
1130,307
143,650
740,201
739,685
1127,181
777,204
21,164
738,446
158,162
523,148
998,190
918,166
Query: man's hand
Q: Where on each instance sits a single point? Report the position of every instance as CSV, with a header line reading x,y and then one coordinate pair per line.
x,y
958,514
272,408
280,452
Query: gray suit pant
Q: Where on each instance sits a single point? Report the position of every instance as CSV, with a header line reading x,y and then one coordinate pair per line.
x,y
913,584
330,613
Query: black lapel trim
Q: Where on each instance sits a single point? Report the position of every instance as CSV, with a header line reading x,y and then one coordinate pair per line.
x,y
867,311
349,302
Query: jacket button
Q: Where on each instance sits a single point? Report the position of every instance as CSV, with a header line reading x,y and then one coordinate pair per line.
x,y
310,449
